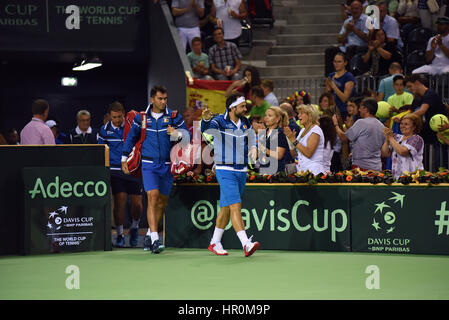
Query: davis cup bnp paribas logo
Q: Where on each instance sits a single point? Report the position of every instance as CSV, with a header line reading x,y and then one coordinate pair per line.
x,y
386,217
63,228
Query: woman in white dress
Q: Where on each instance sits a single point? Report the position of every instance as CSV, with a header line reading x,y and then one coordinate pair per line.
x,y
406,149
309,145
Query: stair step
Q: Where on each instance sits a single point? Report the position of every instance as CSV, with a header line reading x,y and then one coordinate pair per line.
x,y
305,39
310,28
292,70
295,59
298,49
321,18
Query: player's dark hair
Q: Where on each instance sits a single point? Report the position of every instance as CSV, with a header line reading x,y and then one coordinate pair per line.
x,y
232,98
157,89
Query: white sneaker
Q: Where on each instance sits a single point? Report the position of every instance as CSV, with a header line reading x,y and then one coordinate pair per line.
x,y
217,248
250,247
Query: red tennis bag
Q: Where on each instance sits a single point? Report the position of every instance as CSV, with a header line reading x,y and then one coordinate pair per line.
x,y
134,160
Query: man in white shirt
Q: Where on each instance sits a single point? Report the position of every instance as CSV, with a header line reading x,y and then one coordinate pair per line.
x,y
437,52
230,13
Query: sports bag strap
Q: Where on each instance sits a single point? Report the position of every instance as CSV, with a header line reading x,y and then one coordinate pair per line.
x,y
143,125
173,116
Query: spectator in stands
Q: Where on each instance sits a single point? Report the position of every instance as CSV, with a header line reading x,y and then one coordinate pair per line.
x,y
287,107
340,83
187,14
400,98
367,137
260,106
230,13
309,144
389,25
12,137
225,58
407,17
386,88
36,132
437,52
60,137
268,86
427,17
251,78
208,22
330,139
353,36
416,104
301,97
83,133
346,9
352,108
327,107
199,61
275,119
257,123
406,149
380,54
430,105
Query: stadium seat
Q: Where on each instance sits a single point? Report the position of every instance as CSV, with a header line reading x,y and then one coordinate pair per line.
x,y
246,39
261,12
417,39
415,60
357,66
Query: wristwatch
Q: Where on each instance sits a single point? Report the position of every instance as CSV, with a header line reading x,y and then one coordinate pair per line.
x,y
295,143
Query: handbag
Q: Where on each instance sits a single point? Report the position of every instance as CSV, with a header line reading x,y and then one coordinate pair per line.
x,y
433,6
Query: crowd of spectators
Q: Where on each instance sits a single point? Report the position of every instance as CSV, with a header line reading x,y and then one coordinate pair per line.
x,y
410,32
343,130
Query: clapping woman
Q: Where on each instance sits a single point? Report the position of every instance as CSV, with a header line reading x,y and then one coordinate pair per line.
x,y
406,149
309,146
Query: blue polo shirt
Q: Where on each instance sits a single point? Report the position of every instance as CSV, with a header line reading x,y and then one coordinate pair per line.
x,y
353,39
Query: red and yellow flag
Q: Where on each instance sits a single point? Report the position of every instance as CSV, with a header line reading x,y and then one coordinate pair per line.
x,y
210,92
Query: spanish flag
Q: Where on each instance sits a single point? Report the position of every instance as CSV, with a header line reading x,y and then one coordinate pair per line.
x,y
210,92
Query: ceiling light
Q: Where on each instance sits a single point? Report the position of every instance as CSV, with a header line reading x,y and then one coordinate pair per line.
x,y
87,64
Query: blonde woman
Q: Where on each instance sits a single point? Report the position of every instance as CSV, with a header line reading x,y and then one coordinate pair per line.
x,y
309,145
277,156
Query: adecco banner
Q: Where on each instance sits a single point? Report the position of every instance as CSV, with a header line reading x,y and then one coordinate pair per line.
x,y
67,209
400,219
279,217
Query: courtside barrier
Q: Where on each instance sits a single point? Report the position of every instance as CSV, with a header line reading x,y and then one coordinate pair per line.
x,y
328,217
54,199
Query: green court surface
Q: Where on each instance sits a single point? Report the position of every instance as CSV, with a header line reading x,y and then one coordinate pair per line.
x,y
191,274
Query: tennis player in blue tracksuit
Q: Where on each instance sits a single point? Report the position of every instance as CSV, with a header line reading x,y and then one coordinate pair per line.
x,y
234,142
162,123
122,185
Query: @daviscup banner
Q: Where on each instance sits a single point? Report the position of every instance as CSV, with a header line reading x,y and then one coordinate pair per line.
x,y
67,209
279,217
380,219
